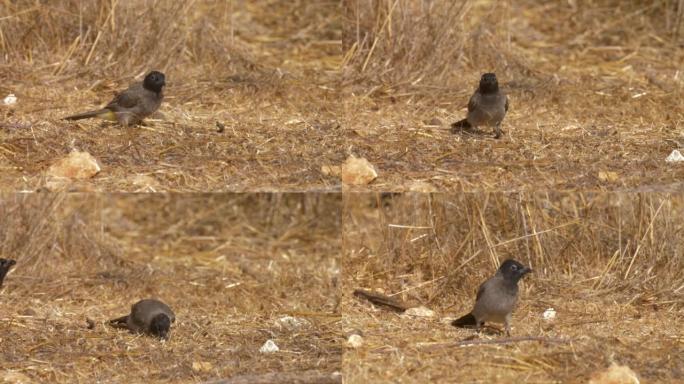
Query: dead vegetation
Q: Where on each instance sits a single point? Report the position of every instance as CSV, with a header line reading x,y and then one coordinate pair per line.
x,y
595,92
257,68
229,265
610,264
274,95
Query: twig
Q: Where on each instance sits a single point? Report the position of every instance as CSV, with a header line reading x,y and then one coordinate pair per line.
x,y
306,377
382,300
506,340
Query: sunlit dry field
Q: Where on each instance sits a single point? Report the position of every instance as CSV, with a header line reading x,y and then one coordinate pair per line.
x,y
230,266
609,264
595,90
265,99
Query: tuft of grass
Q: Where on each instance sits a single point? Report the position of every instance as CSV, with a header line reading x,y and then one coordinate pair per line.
x,y
230,266
610,265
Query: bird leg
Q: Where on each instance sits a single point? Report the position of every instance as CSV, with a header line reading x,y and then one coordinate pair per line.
x,y
507,325
497,131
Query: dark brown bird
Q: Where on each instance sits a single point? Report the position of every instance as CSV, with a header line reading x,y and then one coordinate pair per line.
x,y
134,104
5,265
148,316
496,297
487,107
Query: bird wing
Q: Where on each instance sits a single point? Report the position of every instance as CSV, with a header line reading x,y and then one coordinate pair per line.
x,y
481,290
474,101
127,99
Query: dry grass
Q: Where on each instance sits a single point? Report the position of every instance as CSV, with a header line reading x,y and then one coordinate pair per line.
x,y
256,67
610,264
229,266
595,92
594,86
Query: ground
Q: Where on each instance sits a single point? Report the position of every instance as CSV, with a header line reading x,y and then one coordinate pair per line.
x,y
230,266
591,108
434,251
269,97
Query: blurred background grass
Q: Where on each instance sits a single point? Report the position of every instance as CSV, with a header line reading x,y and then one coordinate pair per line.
x,y
229,265
610,264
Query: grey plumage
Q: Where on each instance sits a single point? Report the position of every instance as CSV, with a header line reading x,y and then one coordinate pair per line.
x,y
487,106
496,297
134,104
148,316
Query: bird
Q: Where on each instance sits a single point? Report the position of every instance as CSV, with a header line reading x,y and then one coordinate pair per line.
x,y
496,298
149,316
5,265
131,106
487,106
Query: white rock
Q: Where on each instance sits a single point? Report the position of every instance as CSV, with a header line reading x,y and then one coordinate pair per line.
x,y
269,347
77,165
355,341
615,374
10,99
549,314
291,323
675,157
358,171
419,312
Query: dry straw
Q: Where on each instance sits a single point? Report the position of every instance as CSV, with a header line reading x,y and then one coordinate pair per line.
x,y
229,265
610,264
300,85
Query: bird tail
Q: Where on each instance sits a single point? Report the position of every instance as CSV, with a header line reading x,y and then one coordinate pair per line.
x,y
104,113
464,321
120,322
382,300
461,124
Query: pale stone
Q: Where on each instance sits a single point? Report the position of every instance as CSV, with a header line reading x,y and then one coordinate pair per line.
x,y
355,341
419,312
291,323
77,165
269,347
358,171
615,374
675,157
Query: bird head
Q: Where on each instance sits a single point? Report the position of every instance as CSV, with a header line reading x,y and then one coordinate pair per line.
x,y
160,326
488,83
154,81
513,270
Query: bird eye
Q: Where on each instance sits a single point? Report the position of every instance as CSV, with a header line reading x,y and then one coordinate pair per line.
x,y
514,267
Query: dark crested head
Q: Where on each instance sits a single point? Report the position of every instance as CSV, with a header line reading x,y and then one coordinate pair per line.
x,y
160,326
488,83
513,270
154,81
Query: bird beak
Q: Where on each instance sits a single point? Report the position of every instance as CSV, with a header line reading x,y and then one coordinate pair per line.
x,y
526,270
